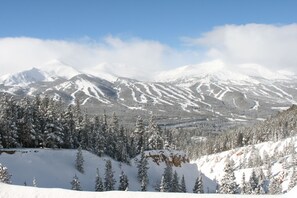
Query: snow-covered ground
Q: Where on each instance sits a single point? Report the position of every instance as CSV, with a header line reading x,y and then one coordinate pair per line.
x,y
12,191
212,166
56,168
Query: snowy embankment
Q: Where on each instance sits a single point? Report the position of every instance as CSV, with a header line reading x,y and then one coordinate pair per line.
x,y
55,168
12,191
212,166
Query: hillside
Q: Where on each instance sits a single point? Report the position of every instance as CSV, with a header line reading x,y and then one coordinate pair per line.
x,y
276,159
55,168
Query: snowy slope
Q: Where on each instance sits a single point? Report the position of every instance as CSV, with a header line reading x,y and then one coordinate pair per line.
x,y
12,191
212,166
26,77
55,169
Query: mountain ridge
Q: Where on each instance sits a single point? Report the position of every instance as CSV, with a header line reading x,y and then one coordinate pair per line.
x,y
216,96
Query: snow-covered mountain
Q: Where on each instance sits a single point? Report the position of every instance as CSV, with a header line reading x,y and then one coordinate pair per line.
x,y
210,92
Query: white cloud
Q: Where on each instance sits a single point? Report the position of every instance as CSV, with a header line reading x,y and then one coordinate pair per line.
x,y
134,58
272,46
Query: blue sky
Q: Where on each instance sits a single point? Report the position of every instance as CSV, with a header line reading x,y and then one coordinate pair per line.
x,y
140,38
162,20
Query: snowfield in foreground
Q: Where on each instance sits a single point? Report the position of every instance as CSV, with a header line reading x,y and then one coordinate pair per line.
x,y
12,191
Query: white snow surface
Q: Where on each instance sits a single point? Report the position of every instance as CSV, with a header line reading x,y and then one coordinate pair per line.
x,y
212,166
54,168
12,191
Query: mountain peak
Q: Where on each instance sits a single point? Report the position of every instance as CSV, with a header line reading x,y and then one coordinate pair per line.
x,y
25,77
218,70
56,68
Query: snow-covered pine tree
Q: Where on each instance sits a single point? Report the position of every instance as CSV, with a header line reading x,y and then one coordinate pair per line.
x,y
142,167
98,182
243,186
254,183
124,182
34,182
109,180
198,187
138,136
168,178
228,183
262,182
156,140
275,186
293,179
75,184
183,187
4,175
162,184
175,183
79,161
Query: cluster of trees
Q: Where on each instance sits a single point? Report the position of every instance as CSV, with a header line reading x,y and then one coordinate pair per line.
x,y
44,122
283,125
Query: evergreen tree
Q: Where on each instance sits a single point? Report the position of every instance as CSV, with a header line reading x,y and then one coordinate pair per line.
x,y
198,187
142,171
34,183
183,187
254,183
79,161
293,179
228,184
275,186
168,178
262,183
138,136
162,184
243,184
75,184
98,182
124,183
156,140
4,175
109,180
175,184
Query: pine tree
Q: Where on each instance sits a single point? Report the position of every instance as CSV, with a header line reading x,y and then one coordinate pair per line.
x,y
79,161
254,183
156,140
228,184
198,187
262,183
109,180
124,183
293,179
168,178
34,183
175,184
162,184
243,184
275,186
98,182
142,171
138,136
183,187
4,175
75,184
